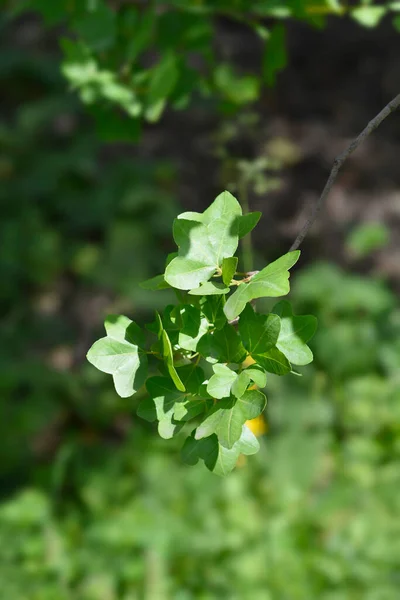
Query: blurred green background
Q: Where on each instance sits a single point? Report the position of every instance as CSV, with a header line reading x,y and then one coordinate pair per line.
x,y
94,506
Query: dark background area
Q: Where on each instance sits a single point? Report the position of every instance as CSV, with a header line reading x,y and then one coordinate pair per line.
x,y
93,505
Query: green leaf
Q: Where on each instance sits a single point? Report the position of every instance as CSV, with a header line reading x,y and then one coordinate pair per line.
x,y
221,382
212,308
259,332
275,55
207,449
97,27
227,457
217,458
295,332
163,79
204,240
227,417
192,377
240,384
273,361
272,281
210,288
137,26
229,266
119,355
170,406
184,274
155,283
367,238
369,16
161,405
246,223
223,345
193,327
168,354
226,381
234,88
257,374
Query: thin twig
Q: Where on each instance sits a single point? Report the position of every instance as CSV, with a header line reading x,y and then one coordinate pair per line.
x,y
338,163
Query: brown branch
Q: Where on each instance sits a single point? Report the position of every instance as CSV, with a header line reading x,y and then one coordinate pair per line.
x,y
338,163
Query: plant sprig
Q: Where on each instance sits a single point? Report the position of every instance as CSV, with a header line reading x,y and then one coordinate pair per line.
x,y
202,346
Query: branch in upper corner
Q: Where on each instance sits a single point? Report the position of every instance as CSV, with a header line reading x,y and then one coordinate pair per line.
x,y
338,163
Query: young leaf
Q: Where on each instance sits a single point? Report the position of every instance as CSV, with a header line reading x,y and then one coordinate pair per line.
x,y
221,382
161,404
246,223
227,457
295,332
272,281
192,377
204,240
168,354
155,283
170,406
223,345
275,56
217,458
257,374
229,266
210,288
240,384
119,355
273,361
212,308
193,327
207,449
259,332
228,416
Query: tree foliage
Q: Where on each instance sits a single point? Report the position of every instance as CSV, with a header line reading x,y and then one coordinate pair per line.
x,y
128,61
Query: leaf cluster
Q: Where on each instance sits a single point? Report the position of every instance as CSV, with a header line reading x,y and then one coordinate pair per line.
x,y
212,350
140,58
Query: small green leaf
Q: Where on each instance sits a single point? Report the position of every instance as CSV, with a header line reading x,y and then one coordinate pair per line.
x,y
193,327
163,78
295,332
257,374
369,16
275,55
184,274
155,283
217,458
240,384
210,288
223,345
259,332
221,382
168,354
142,24
229,266
227,457
212,308
161,405
271,282
207,449
192,377
227,417
97,27
204,240
246,223
119,355
273,361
